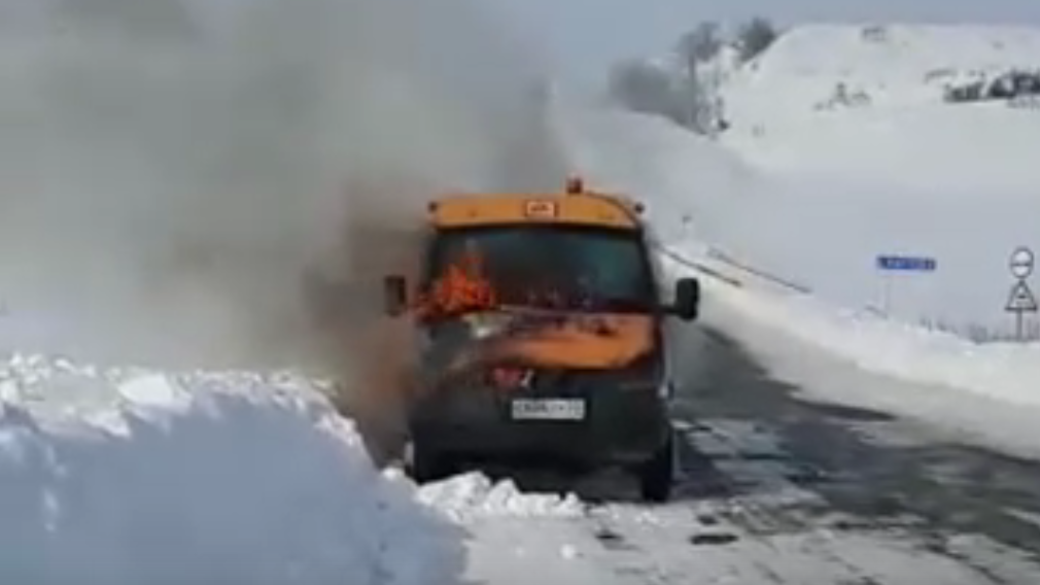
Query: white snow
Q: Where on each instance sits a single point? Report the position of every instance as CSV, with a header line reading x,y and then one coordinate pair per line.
x,y
473,495
893,124
231,477
895,64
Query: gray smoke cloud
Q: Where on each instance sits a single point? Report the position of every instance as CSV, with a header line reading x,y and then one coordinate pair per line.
x,y
171,170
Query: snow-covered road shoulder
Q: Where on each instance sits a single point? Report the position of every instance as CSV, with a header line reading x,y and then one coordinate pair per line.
x,y
1002,370
982,393
141,477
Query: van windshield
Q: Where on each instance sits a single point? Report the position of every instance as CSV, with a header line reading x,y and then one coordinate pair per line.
x,y
570,267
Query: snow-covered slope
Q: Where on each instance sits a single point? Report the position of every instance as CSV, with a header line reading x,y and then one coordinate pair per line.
x,y
935,150
868,101
894,65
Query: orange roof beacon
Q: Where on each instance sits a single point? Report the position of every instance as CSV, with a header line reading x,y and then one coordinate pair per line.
x,y
541,327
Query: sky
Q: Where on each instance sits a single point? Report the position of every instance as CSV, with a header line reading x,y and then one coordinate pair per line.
x,y
580,38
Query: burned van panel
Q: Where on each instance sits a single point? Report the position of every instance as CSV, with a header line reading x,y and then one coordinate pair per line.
x,y
563,341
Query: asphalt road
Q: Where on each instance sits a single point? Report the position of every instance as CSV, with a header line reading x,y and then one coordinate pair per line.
x,y
748,433
800,492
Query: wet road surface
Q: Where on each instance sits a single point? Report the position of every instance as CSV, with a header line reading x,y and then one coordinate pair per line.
x,y
872,466
783,490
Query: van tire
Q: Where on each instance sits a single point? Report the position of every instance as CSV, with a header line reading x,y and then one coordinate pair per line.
x,y
657,474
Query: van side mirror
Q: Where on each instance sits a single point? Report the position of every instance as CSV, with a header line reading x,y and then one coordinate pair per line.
x,y
395,295
687,299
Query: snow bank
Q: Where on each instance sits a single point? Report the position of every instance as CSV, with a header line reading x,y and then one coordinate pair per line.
x,y
131,476
473,496
1005,371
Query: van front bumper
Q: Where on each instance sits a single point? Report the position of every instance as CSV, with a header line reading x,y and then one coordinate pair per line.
x,y
616,426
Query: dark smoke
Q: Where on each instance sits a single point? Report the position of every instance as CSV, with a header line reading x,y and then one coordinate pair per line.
x,y
171,170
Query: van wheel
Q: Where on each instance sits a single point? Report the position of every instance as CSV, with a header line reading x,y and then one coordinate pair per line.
x,y
657,474
425,464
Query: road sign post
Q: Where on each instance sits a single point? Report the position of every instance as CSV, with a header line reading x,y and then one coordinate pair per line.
x,y
890,264
1021,300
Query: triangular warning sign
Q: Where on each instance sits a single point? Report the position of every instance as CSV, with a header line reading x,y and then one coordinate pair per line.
x,y
1021,299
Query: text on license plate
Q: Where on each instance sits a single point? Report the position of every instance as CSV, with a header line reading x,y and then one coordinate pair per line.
x,y
548,409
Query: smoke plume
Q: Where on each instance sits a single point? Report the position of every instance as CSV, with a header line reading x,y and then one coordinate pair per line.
x,y
175,172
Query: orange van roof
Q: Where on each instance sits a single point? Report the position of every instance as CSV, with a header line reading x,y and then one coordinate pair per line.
x,y
584,208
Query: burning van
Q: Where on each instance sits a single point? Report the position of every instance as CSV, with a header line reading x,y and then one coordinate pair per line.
x,y
540,332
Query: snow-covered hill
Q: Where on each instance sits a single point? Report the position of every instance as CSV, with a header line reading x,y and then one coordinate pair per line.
x,y
892,65
895,168
870,101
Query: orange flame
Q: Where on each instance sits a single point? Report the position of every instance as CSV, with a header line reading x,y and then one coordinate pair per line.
x,y
463,287
604,340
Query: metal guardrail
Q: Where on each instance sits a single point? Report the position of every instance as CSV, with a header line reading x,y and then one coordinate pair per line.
x,y
721,256
679,259
725,258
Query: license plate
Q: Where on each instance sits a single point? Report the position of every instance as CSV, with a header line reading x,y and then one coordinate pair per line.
x,y
548,409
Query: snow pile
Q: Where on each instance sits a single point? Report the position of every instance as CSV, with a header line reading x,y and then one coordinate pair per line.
x,y
473,495
130,476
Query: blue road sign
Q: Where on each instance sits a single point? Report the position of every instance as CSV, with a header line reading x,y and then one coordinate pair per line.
x,y
907,263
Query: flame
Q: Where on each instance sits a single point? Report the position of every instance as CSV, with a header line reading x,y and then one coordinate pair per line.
x,y
463,287
567,339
